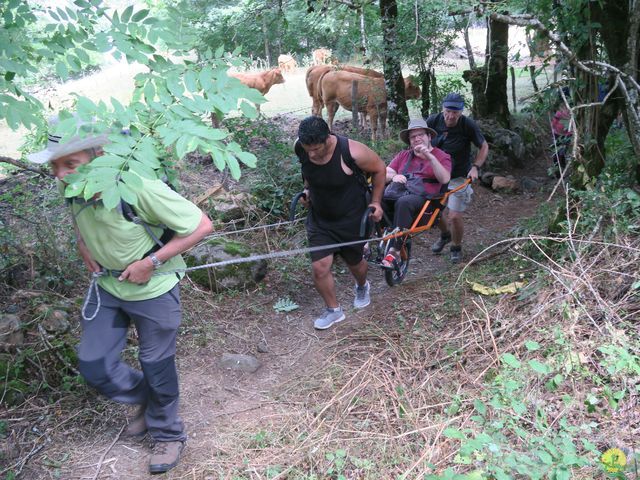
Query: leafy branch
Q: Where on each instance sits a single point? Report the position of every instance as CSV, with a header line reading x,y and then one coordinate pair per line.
x,y
171,101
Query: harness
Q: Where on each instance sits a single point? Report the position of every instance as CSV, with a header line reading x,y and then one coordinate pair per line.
x,y
129,213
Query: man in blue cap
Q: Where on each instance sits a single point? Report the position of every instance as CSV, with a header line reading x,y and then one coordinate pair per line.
x,y
455,134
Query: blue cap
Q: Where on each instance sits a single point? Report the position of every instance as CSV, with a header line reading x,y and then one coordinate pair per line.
x,y
453,101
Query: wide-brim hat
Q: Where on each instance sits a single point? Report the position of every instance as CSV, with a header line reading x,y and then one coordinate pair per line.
x,y
77,143
416,124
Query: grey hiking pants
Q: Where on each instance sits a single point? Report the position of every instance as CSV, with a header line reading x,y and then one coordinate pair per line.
x,y
156,386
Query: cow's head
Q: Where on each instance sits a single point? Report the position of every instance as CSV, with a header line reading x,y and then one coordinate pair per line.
x,y
277,76
411,90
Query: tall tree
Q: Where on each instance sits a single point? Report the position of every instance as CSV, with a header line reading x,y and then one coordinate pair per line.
x,y
426,33
398,112
489,81
497,68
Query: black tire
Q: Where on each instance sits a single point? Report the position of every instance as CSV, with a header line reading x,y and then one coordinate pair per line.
x,y
394,277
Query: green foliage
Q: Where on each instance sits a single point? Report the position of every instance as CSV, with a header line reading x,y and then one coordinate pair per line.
x,y
450,83
169,104
613,203
285,305
516,433
23,373
259,26
426,32
276,178
27,246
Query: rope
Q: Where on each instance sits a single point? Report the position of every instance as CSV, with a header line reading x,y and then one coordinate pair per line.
x,y
285,253
249,229
92,286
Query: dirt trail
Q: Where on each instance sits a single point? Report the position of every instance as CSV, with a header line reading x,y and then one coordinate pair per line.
x,y
218,404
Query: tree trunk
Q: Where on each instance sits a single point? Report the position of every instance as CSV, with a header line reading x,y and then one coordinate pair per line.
x,y
532,74
497,73
478,80
265,33
513,89
435,103
363,34
467,44
394,83
593,123
425,85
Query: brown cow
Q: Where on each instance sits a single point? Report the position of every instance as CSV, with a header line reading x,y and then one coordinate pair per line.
x,y
262,81
312,79
287,63
335,88
315,73
362,71
372,97
411,90
321,56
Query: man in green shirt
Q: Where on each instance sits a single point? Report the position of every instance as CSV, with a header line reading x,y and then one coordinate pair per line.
x,y
108,242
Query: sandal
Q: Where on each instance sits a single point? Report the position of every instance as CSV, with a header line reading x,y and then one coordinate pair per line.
x,y
390,261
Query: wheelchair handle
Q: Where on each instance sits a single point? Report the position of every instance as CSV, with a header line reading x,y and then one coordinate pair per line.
x,y
366,220
294,204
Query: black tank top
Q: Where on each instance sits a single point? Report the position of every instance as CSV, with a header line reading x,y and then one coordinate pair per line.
x,y
335,196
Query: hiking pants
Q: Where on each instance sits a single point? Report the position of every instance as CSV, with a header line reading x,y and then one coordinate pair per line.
x,y
156,386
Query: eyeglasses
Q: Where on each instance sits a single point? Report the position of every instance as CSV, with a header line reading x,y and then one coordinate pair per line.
x,y
417,135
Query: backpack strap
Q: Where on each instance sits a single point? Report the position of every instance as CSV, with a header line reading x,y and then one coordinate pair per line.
x,y
129,213
297,148
345,153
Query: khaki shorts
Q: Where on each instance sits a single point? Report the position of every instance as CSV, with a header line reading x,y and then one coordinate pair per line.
x,y
459,201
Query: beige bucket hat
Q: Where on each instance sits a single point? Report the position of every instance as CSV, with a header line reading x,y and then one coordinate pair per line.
x,y
416,124
77,143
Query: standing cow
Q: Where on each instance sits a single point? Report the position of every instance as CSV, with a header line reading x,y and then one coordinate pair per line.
x,y
312,79
286,63
315,74
321,56
262,81
336,87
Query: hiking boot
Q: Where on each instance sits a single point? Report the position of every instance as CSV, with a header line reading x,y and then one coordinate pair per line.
x,y
137,426
328,318
362,298
165,456
441,242
456,253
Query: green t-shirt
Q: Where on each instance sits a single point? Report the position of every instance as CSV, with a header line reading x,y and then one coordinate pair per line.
x,y
115,242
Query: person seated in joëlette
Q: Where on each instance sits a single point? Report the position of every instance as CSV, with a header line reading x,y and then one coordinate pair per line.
x,y
413,175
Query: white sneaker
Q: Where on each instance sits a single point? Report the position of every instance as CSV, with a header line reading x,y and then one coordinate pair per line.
x,y
328,318
362,298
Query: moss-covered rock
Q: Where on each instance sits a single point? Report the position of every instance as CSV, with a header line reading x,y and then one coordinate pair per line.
x,y
236,276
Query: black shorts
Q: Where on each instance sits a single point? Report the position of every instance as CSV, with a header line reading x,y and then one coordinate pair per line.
x,y
320,234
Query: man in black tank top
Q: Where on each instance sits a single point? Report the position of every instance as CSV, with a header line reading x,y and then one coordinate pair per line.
x,y
337,198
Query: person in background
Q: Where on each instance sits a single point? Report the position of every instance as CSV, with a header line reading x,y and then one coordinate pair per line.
x,y
455,134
